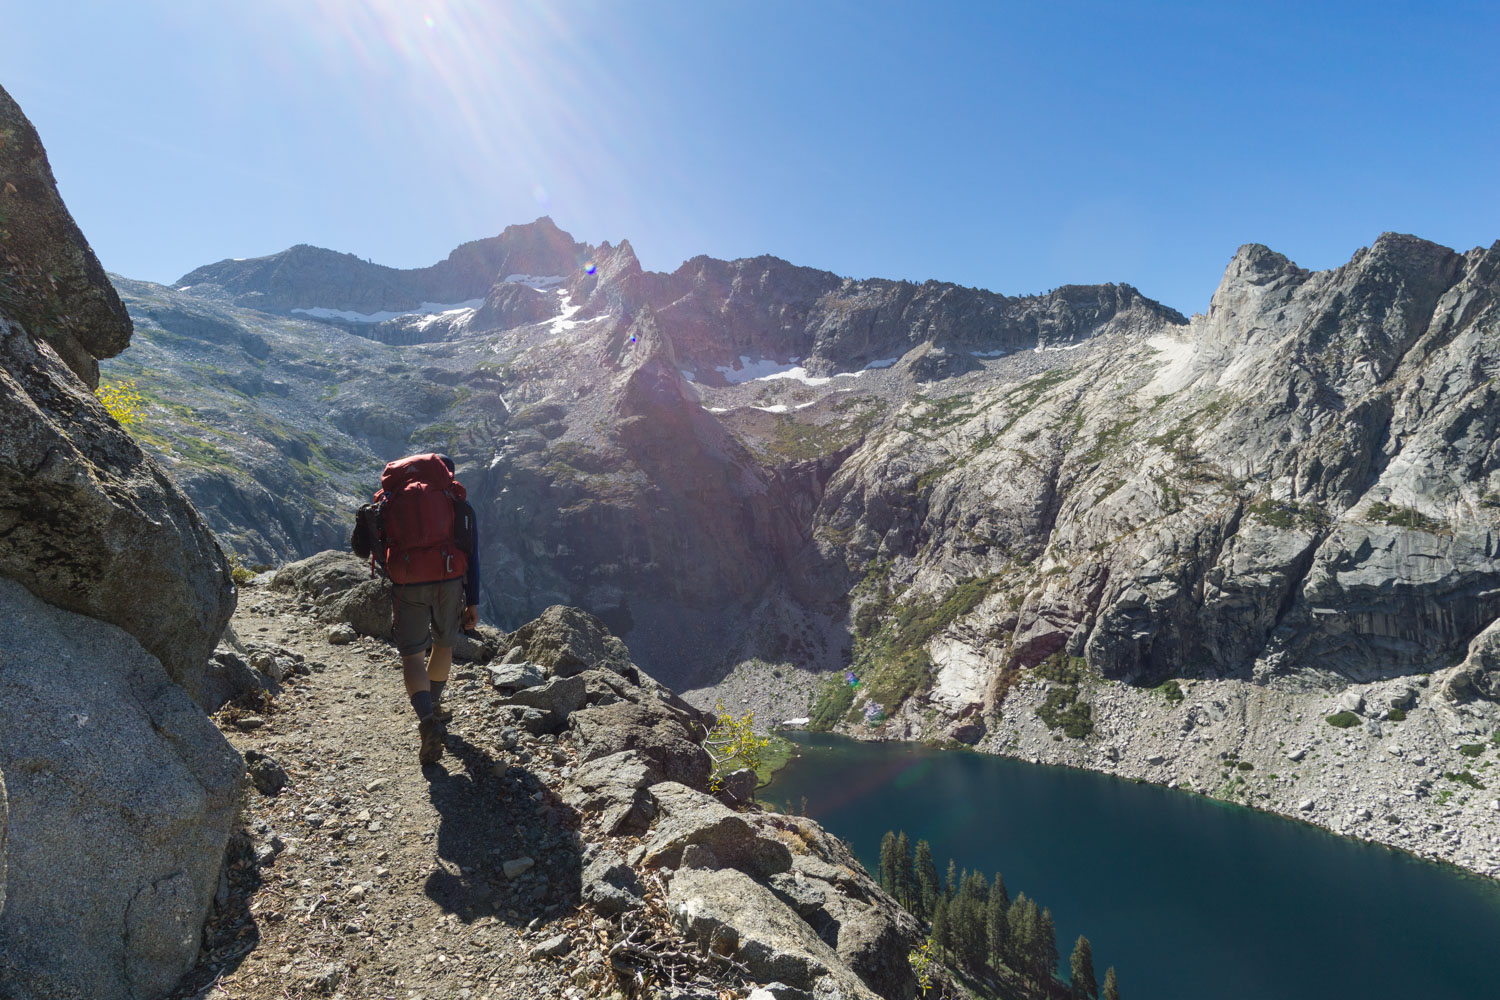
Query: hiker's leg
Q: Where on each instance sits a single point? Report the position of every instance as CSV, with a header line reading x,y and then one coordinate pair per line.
x,y
439,664
447,622
414,672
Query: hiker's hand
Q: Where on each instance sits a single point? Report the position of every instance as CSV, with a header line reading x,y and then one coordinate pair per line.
x,y
471,617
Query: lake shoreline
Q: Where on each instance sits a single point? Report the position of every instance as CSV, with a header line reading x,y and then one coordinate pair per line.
x,y
1104,851
1384,783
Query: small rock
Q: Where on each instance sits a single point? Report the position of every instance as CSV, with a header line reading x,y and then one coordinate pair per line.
x,y
1306,805
357,893
342,634
326,979
376,785
517,867
553,947
1296,755
739,786
265,773
1351,701
249,722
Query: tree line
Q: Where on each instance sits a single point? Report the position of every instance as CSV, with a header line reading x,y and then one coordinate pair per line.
x,y
976,925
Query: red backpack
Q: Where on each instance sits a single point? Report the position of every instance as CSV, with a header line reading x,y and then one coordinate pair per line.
x,y
416,513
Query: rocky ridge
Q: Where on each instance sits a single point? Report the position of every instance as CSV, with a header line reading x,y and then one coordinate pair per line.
x,y
566,846
757,473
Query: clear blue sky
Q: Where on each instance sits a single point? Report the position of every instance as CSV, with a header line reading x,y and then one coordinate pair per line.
x,y
1010,146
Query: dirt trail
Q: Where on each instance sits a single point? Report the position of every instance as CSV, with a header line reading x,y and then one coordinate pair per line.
x,y
369,876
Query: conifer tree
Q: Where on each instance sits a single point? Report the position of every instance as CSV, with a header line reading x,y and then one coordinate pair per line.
x,y
887,876
952,880
1022,920
1081,971
1111,989
1046,948
996,930
905,880
998,888
942,933
927,888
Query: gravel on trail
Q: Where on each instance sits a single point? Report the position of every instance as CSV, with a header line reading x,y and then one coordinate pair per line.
x,y
368,875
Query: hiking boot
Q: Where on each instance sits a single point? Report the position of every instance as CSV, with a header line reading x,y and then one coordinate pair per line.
x,y
433,734
442,713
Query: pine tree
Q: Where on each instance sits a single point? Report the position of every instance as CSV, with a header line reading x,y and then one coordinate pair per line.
x,y
996,930
1081,970
952,881
942,933
1111,989
1046,948
905,880
1022,919
927,887
887,875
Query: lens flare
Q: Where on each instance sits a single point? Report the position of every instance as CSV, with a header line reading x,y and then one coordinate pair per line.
x,y
589,268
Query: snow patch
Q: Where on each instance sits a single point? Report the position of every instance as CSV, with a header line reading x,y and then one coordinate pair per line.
x,y
989,354
183,288
690,376
774,408
1063,347
882,363
537,281
426,309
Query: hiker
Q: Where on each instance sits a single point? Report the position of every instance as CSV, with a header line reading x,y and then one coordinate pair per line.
x,y
420,532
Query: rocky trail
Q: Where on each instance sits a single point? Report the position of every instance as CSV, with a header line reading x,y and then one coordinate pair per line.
x,y
367,875
569,844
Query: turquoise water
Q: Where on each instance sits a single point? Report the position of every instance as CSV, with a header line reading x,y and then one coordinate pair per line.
x,y
1186,897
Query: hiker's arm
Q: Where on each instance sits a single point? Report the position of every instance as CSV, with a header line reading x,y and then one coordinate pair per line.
x,y
471,579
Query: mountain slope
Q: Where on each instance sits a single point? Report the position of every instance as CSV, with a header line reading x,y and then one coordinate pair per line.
x,y
758,472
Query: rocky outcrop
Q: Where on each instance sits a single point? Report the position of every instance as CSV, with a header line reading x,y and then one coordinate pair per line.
x,y
774,892
119,793
90,523
121,796
50,281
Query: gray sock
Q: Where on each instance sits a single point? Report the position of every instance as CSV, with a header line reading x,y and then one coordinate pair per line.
x,y
422,703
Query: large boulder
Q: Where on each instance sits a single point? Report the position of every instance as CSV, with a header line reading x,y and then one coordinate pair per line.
x,y
616,787
121,797
340,584
687,817
728,912
567,641
50,280
90,523
652,729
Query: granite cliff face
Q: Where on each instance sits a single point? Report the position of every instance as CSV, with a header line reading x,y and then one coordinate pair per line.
x,y
116,792
755,471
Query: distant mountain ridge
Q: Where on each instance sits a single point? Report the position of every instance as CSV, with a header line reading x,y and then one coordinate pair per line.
x,y
308,277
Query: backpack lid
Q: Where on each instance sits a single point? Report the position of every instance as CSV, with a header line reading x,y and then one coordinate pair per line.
x,y
429,469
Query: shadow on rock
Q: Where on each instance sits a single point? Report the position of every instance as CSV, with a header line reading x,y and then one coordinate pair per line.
x,y
507,848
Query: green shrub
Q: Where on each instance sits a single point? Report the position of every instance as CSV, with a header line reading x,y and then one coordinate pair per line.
x,y
1342,720
1401,517
1170,690
238,570
1062,709
834,701
1396,715
1061,668
1464,778
1245,765
1471,749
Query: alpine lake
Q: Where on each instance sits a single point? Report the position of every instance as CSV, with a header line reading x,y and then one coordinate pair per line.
x,y
1186,896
